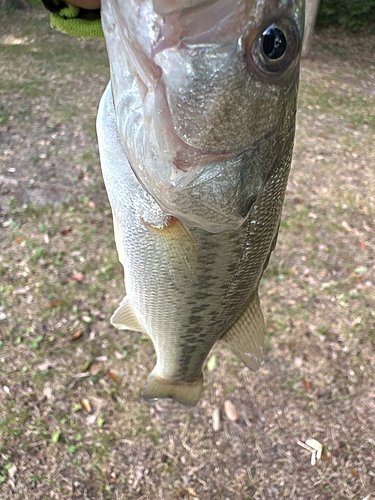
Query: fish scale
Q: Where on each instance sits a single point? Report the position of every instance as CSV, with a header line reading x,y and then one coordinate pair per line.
x,y
195,144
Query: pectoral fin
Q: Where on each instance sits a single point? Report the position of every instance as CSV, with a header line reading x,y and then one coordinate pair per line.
x,y
185,393
176,242
246,336
124,317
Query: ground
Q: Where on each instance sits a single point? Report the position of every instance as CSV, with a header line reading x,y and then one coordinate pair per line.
x,y
60,280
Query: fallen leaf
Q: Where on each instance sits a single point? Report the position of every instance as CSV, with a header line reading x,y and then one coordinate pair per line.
x,y
55,436
307,385
77,276
119,355
298,361
46,238
138,477
211,364
19,239
91,204
216,419
76,335
86,405
47,394
55,303
158,407
87,365
12,470
354,472
360,269
95,368
362,244
91,419
368,357
66,231
101,358
47,364
326,456
114,374
230,410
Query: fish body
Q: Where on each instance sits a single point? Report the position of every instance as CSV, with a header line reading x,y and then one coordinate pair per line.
x,y
196,134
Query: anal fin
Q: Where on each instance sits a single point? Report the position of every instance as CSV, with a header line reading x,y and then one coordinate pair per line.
x,y
186,393
124,317
246,337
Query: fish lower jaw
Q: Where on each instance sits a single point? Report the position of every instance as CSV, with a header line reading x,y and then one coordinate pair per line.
x,y
186,393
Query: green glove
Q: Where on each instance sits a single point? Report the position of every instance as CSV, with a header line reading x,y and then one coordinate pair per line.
x,y
73,20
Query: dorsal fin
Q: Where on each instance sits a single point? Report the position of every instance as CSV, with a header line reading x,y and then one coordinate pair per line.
x,y
246,337
124,317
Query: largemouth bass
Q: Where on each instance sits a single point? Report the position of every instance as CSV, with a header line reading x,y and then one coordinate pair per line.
x,y
196,134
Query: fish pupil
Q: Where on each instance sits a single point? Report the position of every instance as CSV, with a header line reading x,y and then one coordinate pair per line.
x,y
274,43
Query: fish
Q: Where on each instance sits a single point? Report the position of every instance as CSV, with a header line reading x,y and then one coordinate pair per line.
x,y
196,132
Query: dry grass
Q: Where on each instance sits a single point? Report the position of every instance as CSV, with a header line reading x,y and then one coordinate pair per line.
x,y
318,377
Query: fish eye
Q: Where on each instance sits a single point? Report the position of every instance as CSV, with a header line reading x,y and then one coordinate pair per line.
x,y
274,42
273,49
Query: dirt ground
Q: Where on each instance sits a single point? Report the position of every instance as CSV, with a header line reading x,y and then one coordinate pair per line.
x,y
72,423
